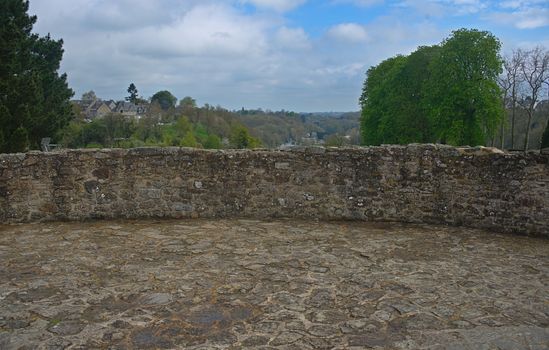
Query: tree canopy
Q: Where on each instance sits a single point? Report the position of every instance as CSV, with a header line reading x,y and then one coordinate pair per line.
x,y
134,94
89,96
165,99
444,93
34,98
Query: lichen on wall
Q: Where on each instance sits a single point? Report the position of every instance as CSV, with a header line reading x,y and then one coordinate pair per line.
x,y
437,184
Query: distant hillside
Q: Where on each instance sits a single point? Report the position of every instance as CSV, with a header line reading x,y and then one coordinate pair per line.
x,y
277,128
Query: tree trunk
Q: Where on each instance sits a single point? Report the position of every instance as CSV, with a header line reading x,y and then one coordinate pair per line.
x,y
527,138
513,120
502,136
543,133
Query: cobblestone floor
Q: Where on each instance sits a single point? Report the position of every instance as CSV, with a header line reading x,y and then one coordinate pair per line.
x,y
270,285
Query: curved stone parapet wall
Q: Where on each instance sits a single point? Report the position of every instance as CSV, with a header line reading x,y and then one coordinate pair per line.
x,y
417,183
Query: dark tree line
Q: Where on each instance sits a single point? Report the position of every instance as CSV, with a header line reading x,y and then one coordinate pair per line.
x,y
34,97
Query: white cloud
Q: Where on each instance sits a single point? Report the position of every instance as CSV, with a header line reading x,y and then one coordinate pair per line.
x,y
220,52
292,38
204,30
528,18
517,4
277,5
464,7
426,8
348,32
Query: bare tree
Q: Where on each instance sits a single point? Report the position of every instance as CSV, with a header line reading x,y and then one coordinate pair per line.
x,y
513,77
542,143
535,72
505,83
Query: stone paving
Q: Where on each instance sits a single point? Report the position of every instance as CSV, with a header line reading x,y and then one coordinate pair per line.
x,y
203,284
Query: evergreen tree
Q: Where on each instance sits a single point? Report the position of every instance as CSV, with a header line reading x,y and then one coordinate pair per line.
x,y
19,141
132,90
34,98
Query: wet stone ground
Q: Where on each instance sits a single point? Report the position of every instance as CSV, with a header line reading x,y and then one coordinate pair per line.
x,y
270,285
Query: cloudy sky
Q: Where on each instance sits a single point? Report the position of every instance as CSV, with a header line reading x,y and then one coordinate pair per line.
x,y
301,55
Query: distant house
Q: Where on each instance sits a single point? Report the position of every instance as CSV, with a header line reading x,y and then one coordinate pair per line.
x,y
98,109
130,109
111,104
126,108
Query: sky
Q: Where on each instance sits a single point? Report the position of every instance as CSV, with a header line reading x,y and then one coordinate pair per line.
x,y
297,55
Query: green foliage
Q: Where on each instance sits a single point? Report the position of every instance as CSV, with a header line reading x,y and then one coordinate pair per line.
x,y
34,96
18,141
379,100
213,142
335,141
189,140
134,96
94,132
165,99
183,126
240,138
70,136
446,93
187,102
464,98
94,145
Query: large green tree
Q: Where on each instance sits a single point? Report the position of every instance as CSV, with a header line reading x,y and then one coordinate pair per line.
x,y
393,108
464,98
34,98
444,93
165,99
378,101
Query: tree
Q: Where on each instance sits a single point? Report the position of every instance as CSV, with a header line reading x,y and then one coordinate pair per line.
x,y
511,69
393,99
165,99
34,98
134,96
19,140
545,138
464,98
89,96
212,142
189,140
505,84
240,138
535,72
376,100
187,102
335,140
444,93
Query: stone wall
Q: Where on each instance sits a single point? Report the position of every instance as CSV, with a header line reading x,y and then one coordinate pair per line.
x,y
416,183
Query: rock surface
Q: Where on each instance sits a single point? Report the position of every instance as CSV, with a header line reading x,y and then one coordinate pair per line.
x,y
286,284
